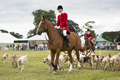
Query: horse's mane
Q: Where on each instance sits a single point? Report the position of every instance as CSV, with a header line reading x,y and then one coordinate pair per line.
x,y
49,22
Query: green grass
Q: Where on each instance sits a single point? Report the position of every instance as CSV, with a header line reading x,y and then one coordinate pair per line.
x,y
39,71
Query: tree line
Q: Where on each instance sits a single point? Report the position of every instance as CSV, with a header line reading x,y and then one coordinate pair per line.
x,y
111,36
17,35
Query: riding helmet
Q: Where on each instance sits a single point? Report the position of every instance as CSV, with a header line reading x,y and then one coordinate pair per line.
x,y
59,7
88,30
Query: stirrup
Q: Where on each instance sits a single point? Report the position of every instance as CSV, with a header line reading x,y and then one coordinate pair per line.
x,y
68,45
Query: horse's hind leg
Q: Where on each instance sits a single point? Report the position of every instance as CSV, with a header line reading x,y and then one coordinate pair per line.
x,y
78,64
71,61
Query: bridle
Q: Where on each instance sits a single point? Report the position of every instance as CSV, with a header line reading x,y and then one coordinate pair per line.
x,y
47,27
48,31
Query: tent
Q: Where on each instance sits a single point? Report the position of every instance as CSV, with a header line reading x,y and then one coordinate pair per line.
x,y
6,38
100,39
38,37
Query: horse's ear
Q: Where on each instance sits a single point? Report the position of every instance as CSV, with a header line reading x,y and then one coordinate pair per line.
x,y
42,17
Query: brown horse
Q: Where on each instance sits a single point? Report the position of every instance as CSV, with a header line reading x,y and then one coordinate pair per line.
x,y
56,42
88,45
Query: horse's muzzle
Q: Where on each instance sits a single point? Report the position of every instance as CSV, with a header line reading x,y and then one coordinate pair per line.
x,y
39,32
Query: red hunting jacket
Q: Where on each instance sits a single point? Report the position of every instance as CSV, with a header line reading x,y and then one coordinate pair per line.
x,y
89,35
62,21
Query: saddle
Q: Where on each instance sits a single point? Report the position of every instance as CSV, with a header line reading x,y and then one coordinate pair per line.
x,y
91,43
61,33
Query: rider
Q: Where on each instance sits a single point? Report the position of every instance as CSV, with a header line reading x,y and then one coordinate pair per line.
x,y
62,23
89,35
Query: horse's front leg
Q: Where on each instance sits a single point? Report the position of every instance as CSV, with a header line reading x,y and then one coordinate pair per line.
x,y
71,61
56,61
52,58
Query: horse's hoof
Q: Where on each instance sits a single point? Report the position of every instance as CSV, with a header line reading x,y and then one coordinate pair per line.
x,y
54,73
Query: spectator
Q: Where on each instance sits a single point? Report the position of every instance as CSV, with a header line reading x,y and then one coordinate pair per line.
x,y
98,46
18,46
36,46
13,46
10,47
108,45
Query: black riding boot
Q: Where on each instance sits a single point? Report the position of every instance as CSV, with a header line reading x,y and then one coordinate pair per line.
x,y
68,43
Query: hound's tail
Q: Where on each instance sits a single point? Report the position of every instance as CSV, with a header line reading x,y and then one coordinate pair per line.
x,y
28,53
100,53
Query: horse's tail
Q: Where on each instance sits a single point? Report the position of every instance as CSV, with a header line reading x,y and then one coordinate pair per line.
x,y
82,49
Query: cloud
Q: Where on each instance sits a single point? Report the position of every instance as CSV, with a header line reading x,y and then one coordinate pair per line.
x,y
16,15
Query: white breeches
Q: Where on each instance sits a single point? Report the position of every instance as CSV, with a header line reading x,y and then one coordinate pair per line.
x,y
64,32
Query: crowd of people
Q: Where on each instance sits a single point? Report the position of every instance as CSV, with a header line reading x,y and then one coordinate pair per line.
x,y
106,46
23,46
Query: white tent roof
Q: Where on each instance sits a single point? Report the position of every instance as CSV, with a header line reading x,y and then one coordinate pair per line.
x,y
6,38
39,37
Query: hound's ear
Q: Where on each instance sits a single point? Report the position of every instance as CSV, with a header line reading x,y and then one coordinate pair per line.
x,y
42,17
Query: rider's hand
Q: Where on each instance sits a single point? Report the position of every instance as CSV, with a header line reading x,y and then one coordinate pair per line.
x,y
55,27
89,38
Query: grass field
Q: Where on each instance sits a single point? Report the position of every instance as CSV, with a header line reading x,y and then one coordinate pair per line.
x,y
39,71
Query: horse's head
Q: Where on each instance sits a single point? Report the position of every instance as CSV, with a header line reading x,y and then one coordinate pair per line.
x,y
42,26
85,37
86,40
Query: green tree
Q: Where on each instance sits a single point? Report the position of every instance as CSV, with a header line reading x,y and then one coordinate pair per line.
x,y
17,35
108,38
49,15
112,35
88,25
73,27
31,33
3,31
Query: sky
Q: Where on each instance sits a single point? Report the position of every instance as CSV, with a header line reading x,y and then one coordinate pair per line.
x,y
16,15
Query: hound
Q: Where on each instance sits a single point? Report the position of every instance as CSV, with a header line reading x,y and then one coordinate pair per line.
x,y
83,58
114,60
62,59
105,60
48,61
94,58
14,61
21,61
5,56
